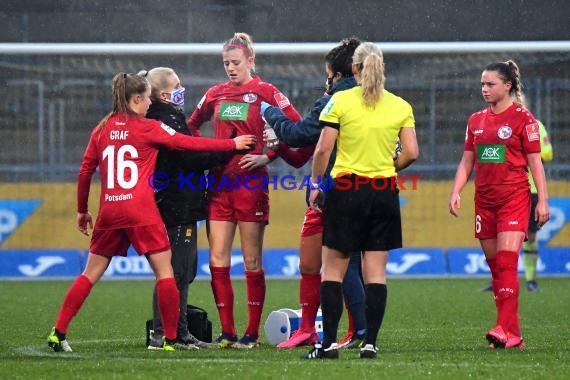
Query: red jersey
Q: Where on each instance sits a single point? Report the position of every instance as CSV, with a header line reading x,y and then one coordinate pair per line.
x,y
237,109
501,143
125,150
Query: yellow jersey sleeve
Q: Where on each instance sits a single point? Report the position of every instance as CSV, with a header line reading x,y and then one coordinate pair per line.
x,y
409,121
546,152
330,115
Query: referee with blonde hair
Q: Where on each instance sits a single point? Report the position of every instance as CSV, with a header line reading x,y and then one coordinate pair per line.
x,y
365,122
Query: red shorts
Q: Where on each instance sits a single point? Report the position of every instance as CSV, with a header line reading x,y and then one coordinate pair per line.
x,y
244,203
512,214
115,242
313,223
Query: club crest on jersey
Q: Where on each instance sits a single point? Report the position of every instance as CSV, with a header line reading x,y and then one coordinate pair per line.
x,y
249,98
504,132
281,100
532,132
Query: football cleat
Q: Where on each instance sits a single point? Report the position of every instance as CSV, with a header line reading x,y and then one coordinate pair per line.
x,y
300,338
225,340
496,337
155,344
191,339
369,351
532,286
57,344
514,341
318,352
168,345
247,342
185,345
351,340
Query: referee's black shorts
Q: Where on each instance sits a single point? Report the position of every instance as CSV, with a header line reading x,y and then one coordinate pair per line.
x,y
362,216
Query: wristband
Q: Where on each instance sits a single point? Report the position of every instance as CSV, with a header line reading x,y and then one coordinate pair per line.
x,y
316,186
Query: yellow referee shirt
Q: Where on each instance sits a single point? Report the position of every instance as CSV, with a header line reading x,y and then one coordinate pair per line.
x,y
367,136
545,153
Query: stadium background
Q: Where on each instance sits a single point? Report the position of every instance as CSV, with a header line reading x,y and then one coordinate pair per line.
x,y
51,102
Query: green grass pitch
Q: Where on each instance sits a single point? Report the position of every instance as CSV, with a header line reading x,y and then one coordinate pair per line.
x,y
433,329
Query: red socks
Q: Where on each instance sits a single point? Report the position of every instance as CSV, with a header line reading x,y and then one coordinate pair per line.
x,y
76,295
493,267
224,297
494,275
506,290
168,305
255,282
310,297
167,302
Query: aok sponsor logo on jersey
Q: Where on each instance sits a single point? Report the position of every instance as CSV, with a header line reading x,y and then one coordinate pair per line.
x,y
491,153
233,111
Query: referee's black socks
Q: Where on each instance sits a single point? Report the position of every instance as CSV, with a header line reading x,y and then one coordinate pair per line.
x,y
331,305
376,296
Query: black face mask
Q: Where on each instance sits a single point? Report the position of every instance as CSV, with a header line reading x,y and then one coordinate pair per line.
x,y
329,85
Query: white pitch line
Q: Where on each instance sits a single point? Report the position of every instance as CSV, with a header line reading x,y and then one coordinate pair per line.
x,y
43,351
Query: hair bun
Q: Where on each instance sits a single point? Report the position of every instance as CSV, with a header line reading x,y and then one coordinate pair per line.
x,y
350,42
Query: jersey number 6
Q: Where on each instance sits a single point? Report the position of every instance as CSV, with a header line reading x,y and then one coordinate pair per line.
x,y
477,223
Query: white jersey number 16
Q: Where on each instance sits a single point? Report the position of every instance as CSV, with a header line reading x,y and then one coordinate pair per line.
x,y
122,165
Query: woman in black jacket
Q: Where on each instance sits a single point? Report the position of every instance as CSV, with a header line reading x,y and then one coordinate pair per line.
x,y
306,132
180,194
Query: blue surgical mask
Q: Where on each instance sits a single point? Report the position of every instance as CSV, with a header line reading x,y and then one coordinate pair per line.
x,y
177,96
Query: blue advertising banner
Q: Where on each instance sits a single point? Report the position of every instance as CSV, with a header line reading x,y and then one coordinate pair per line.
x,y
278,263
554,261
559,216
471,261
285,262
41,263
130,266
416,261
13,212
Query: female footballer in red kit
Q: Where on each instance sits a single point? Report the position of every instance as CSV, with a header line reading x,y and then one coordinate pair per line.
x,y
235,107
124,146
500,142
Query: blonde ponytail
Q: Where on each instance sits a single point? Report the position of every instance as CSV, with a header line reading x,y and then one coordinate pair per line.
x,y
370,72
